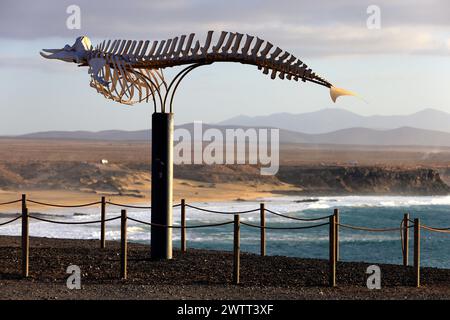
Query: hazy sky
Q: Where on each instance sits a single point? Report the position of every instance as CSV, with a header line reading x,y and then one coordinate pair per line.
x,y
401,68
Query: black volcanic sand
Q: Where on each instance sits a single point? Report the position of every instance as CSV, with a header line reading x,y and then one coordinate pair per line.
x,y
197,274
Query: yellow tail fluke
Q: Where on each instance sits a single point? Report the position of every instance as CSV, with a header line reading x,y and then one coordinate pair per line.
x,y
337,92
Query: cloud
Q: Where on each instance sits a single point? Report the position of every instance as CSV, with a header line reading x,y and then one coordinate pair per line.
x,y
311,28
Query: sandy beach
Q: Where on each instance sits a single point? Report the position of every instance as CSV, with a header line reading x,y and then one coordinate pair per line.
x,y
192,191
197,274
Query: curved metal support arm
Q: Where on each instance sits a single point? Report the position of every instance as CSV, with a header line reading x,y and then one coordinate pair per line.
x,y
156,89
176,81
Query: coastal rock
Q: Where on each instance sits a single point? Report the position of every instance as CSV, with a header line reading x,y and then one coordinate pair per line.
x,y
364,180
125,178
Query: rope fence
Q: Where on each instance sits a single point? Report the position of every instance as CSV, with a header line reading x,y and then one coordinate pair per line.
x,y
64,205
127,205
368,229
295,218
10,221
182,227
284,228
10,202
221,212
333,223
440,230
73,222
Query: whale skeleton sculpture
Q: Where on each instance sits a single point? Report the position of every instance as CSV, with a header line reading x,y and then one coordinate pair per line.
x,y
129,71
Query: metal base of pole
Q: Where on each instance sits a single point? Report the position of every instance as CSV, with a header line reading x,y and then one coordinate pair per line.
x,y
162,180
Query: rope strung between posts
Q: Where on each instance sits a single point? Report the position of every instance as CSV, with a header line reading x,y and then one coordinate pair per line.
x,y
127,205
10,221
221,212
295,218
134,206
401,228
368,229
440,230
10,202
181,227
63,205
285,228
73,222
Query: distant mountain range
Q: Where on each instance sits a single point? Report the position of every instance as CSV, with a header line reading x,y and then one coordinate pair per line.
x,y
108,135
404,136
329,120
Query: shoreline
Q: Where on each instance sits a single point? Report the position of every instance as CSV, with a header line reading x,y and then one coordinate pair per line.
x,y
182,190
197,274
227,194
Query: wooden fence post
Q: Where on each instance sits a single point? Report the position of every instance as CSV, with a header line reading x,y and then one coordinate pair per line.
x,y
25,243
405,239
236,249
103,224
417,251
262,213
336,232
183,225
123,244
332,251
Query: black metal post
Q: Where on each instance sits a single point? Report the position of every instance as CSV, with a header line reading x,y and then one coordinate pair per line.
x,y
162,179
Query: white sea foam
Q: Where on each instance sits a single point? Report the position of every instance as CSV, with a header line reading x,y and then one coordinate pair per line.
x,y
284,205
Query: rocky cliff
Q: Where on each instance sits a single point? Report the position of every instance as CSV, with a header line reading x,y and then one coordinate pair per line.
x,y
364,180
126,178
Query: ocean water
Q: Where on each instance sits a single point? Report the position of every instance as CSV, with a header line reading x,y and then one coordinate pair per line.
x,y
368,211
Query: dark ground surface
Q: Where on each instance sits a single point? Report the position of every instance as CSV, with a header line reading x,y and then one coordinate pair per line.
x,y
197,274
